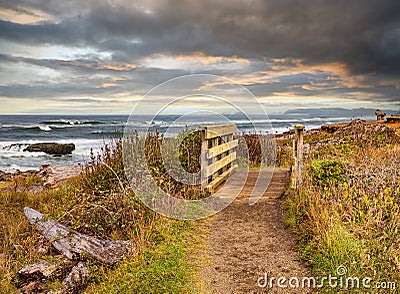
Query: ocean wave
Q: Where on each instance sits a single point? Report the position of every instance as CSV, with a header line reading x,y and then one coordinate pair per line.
x,y
15,146
17,128
6,126
39,127
72,122
45,128
111,133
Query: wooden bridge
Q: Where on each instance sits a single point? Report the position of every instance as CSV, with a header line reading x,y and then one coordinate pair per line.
x,y
219,154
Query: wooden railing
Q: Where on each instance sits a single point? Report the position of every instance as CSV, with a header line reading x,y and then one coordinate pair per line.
x,y
218,154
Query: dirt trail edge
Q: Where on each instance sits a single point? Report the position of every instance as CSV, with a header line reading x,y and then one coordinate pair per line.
x,y
246,242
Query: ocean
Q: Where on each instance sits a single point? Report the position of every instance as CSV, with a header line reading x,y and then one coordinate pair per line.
x,y
93,131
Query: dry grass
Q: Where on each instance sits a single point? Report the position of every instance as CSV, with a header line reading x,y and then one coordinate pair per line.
x,y
99,203
348,210
264,150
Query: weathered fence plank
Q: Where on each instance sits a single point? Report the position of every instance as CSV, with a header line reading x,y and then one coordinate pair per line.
x,y
219,131
218,154
217,165
217,150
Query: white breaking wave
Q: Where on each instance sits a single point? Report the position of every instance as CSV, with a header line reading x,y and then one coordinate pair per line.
x,y
45,128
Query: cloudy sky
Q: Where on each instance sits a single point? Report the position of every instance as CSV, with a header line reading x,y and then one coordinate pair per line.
x,y
102,56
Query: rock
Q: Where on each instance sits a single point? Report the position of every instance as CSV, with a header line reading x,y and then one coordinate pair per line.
x,y
76,279
307,149
332,128
51,148
71,243
380,115
17,146
5,177
393,119
52,174
290,132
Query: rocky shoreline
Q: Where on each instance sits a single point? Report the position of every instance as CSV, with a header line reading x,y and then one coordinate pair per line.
x,y
48,176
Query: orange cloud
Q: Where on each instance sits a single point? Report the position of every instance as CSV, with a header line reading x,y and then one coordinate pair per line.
x,y
112,83
21,17
106,66
209,59
284,67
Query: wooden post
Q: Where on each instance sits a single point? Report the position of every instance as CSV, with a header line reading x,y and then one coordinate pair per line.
x,y
203,158
298,149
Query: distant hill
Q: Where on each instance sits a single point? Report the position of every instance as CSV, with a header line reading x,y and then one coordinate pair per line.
x,y
337,112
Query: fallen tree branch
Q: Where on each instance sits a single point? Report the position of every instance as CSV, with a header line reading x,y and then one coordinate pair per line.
x,y
32,278
71,243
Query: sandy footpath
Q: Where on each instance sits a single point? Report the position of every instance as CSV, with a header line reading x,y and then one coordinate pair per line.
x,y
245,242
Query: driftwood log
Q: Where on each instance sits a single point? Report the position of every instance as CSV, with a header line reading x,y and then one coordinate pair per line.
x,y
32,278
72,243
76,279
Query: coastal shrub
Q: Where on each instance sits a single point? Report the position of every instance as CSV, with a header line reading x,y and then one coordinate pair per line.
x,y
99,203
348,209
259,150
190,151
106,173
284,155
253,148
188,147
327,173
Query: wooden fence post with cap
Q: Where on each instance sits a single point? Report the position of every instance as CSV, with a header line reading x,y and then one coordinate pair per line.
x,y
298,150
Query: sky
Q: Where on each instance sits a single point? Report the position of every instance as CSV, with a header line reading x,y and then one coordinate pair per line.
x,y
102,56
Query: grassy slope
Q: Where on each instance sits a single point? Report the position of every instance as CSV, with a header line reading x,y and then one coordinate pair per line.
x,y
348,210
167,267
339,220
100,204
163,260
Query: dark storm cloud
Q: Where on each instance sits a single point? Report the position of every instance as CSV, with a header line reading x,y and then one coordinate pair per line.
x,y
51,91
364,34
82,65
334,49
88,79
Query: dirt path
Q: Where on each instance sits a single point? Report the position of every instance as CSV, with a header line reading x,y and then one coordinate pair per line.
x,y
245,242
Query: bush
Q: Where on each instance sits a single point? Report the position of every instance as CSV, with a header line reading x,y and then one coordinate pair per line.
x,y
348,210
328,173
